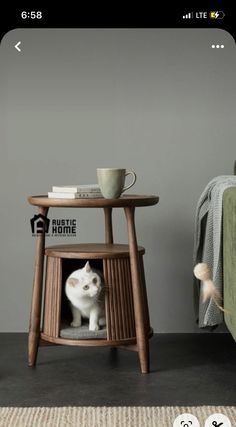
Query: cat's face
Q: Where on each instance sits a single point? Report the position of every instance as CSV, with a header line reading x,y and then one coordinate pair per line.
x,y
85,282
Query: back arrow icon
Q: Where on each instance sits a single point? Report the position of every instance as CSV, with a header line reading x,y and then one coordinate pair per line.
x,y
17,46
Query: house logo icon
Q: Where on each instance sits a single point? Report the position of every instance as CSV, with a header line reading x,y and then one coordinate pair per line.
x,y
39,224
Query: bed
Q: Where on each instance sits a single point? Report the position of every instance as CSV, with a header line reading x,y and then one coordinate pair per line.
x,y
229,258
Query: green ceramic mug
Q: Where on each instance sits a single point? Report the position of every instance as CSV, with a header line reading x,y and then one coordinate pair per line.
x,y
112,181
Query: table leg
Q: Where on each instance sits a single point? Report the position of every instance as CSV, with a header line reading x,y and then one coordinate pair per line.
x,y
108,225
141,333
35,315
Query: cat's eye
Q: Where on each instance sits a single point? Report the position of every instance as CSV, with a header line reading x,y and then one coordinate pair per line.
x,y
86,287
94,280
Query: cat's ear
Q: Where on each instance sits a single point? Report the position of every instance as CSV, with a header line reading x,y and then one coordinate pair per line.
x,y
87,267
72,281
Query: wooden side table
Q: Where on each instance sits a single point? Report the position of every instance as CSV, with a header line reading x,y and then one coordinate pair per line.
x,y
123,272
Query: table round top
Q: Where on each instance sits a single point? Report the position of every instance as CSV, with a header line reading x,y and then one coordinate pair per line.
x,y
127,200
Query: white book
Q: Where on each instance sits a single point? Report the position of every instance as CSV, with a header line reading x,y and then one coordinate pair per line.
x,y
83,195
89,188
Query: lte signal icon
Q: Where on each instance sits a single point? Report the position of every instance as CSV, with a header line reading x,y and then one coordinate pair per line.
x,y
188,15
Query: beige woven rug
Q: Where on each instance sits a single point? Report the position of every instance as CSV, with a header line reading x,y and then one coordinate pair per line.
x,y
107,416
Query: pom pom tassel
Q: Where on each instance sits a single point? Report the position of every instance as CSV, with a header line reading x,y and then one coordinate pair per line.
x,y
203,273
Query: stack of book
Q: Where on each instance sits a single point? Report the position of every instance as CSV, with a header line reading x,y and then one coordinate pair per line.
x,y
91,191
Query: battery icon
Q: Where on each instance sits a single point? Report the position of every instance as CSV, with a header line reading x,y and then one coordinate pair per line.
x,y
217,14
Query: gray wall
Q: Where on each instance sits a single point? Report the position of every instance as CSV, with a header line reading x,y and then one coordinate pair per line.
x,y
161,102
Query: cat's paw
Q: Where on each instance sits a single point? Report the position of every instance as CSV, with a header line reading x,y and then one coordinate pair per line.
x,y
94,328
75,324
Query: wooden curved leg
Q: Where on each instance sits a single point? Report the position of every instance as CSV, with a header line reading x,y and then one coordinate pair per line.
x,y
108,225
139,310
35,315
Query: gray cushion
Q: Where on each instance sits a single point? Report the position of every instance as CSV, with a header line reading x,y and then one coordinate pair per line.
x,y
82,333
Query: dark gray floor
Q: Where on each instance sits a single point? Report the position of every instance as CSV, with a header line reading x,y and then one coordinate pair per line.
x,y
186,369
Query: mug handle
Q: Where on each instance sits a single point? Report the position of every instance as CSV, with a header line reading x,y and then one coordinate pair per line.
x,y
133,182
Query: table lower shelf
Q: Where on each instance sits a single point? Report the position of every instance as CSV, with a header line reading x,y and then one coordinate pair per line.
x,y
82,332
91,342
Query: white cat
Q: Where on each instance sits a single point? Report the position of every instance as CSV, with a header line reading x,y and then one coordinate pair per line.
x,y
85,290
